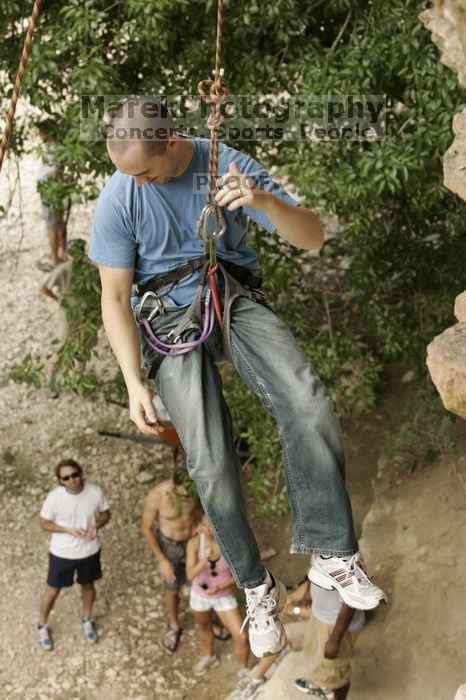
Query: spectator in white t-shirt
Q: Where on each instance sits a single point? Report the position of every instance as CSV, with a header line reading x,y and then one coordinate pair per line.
x,y
73,512
329,645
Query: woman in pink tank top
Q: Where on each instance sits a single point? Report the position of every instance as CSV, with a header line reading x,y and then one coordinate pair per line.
x,y
212,588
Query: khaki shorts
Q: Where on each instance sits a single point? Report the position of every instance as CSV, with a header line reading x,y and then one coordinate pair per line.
x,y
328,673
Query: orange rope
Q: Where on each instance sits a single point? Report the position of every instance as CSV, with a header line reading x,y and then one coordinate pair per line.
x,y
214,92
212,275
19,79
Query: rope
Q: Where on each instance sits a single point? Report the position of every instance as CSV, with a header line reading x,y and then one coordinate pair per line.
x,y
19,79
214,92
181,348
212,275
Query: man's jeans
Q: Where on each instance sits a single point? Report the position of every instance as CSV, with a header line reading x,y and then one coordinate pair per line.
x,y
270,362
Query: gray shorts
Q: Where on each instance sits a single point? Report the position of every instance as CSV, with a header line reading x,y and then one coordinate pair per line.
x,y
175,551
50,218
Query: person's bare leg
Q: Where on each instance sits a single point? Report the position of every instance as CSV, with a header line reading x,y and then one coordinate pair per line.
x,y
263,666
204,628
341,693
62,244
88,596
232,621
172,603
266,662
48,601
53,232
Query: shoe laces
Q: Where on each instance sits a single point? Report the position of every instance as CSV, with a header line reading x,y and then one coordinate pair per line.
x,y
258,611
355,567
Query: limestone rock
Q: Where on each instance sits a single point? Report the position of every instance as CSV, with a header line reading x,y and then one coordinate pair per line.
x,y
454,162
461,692
446,360
145,477
460,307
446,20
446,355
408,376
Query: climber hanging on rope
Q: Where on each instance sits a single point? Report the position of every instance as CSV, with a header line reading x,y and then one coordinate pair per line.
x,y
144,233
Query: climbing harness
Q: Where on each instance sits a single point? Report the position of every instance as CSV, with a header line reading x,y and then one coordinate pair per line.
x,y
19,79
238,281
171,277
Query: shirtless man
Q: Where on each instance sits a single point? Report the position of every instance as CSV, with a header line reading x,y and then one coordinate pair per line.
x,y
174,513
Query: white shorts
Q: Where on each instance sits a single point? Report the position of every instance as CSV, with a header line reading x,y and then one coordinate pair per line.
x,y
203,604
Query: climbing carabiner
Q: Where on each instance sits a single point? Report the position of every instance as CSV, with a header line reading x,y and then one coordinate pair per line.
x,y
158,307
202,227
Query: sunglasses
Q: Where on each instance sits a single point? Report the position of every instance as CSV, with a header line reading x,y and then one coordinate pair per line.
x,y
213,568
213,572
74,475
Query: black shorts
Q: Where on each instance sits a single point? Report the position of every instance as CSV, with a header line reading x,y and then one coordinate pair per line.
x,y
61,571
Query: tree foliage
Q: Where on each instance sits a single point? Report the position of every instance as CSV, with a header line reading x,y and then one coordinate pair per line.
x,y
384,285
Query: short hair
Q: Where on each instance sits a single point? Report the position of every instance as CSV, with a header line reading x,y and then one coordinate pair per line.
x,y
67,463
140,119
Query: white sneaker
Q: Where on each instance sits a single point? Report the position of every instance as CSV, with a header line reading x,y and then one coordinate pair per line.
x,y
349,578
204,663
244,673
44,638
248,689
266,632
89,632
308,687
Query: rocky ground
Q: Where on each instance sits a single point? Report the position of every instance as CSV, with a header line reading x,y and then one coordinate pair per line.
x,y
128,663
413,537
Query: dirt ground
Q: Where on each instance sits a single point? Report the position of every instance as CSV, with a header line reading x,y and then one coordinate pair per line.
x,y
413,540
128,663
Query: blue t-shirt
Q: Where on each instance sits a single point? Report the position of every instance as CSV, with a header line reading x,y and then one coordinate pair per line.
x,y
152,228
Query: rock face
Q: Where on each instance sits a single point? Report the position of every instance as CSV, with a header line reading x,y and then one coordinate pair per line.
x,y
460,307
446,355
446,360
447,23
446,20
454,161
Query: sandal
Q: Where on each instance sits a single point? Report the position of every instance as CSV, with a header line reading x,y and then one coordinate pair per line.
x,y
220,632
172,639
44,265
